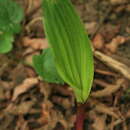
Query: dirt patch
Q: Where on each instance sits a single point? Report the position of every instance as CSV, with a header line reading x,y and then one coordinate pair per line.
x,y
26,99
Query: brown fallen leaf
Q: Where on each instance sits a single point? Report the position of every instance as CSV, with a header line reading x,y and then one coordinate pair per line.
x,y
128,114
45,89
65,102
114,44
18,74
5,88
107,91
119,9
50,117
124,125
24,123
30,71
22,108
98,41
35,43
109,31
24,87
36,2
118,1
46,107
64,90
128,7
5,121
29,58
32,6
91,27
2,94
28,51
99,121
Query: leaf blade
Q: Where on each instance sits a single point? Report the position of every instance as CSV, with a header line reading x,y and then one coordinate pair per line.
x,y
71,46
45,67
6,42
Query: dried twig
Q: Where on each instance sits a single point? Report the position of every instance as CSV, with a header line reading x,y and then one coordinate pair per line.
x,y
108,90
104,72
101,83
25,86
37,19
30,2
102,108
114,64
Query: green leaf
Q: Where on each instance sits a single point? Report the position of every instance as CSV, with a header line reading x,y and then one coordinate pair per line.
x,y
44,66
6,40
11,15
71,46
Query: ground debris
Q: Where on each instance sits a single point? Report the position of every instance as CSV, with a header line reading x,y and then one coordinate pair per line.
x,y
118,1
99,121
98,42
109,89
29,103
35,43
22,108
24,87
114,44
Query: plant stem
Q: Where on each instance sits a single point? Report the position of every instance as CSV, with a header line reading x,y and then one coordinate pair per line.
x,y
80,116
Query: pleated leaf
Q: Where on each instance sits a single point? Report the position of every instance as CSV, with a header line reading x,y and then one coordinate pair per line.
x,y
44,65
71,46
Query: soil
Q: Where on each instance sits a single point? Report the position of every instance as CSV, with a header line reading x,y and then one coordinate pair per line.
x,y
29,103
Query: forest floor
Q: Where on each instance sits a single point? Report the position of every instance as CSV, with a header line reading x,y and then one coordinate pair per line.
x,y
29,103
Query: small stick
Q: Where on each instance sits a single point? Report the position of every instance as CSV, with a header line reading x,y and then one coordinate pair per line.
x,y
104,72
116,65
112,88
